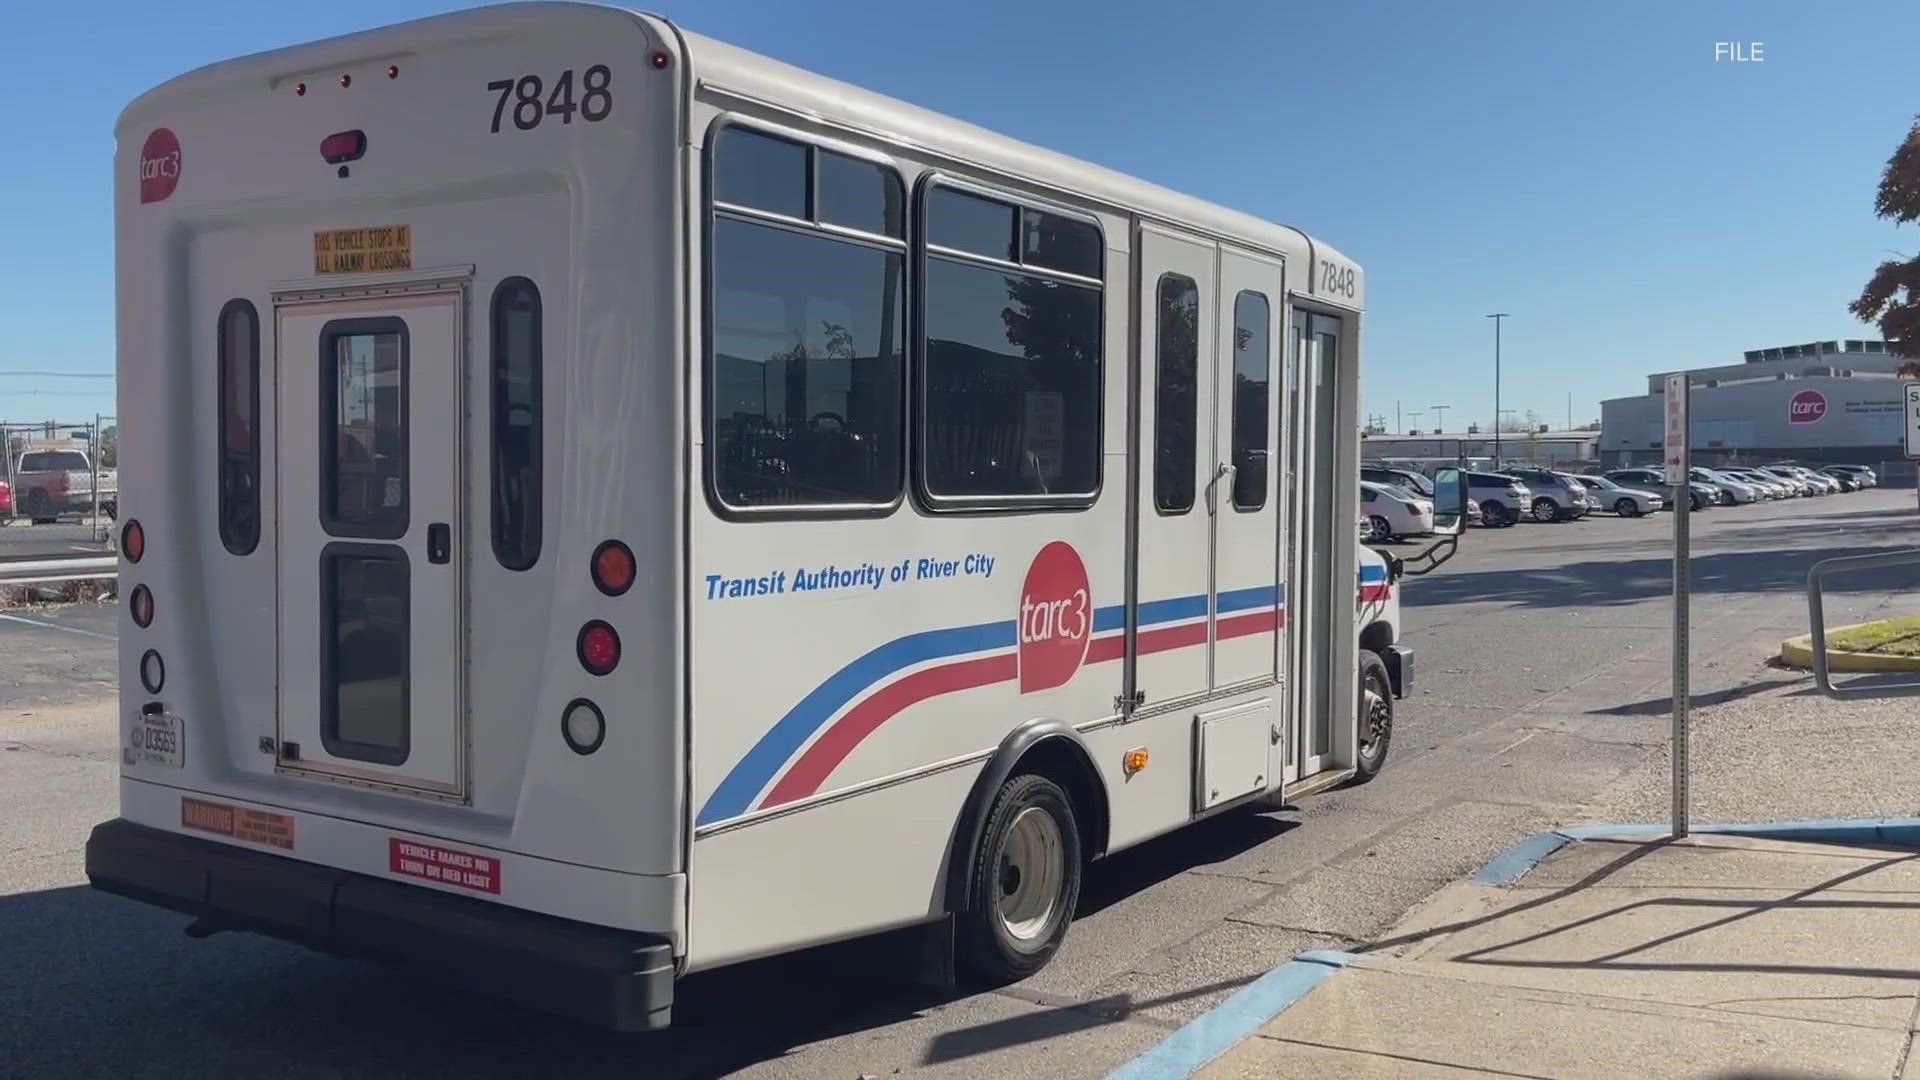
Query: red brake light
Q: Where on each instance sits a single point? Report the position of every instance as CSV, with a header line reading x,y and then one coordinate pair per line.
x,y
343,146
613,568
133,541
599,648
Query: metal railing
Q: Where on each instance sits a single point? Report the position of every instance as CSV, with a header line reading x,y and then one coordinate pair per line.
x,y
1817,620
55,571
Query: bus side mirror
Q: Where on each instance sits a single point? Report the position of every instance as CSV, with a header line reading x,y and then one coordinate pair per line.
x,y
1449,502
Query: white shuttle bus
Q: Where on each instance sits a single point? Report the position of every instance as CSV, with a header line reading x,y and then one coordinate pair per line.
x,y
600,505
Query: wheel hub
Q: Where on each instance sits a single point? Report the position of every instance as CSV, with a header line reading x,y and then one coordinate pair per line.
x,y
1032,866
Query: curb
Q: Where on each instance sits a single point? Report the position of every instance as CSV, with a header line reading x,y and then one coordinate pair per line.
x,y
1227,1024
1224,1026
1798,652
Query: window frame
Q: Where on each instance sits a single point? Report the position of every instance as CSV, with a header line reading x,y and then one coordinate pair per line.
x,y
710,211
537,435
236,306
331,555
927,499
1193,461
1274,427
329,406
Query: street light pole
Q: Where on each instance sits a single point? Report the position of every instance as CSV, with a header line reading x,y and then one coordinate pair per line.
x,y
1497,317
1441,423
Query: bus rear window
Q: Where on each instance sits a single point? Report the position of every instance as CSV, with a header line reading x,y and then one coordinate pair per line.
x,y
516,424
239,431
363,428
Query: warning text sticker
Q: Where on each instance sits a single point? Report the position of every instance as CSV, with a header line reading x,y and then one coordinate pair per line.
x,y
427,862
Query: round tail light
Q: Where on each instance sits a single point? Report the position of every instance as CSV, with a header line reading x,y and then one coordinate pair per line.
x,y
613,568
133,541
140,605
583,726
599,648
153,672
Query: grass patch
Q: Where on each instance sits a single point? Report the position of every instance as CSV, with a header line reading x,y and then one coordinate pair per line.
x,y
1889,637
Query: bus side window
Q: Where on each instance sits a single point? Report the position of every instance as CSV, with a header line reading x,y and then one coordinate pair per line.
x,y
1252,378
516,423
806,356
239,426
1010,394
1176,409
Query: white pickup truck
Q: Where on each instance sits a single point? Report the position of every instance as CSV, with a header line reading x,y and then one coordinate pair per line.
x,y
49,482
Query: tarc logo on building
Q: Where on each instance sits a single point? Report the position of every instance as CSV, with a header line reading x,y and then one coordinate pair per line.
x,y
1806,407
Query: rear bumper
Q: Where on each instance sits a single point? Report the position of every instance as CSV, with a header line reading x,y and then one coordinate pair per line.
x,y
1399,660
617,979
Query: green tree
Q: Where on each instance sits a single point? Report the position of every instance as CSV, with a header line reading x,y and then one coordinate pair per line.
x,y
1892,295
110,447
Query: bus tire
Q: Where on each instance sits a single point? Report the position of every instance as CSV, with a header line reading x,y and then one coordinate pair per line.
x,y
1022,886
1375,703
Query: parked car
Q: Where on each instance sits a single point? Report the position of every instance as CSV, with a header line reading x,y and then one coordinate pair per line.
x,y
1556,496
1623,501
1793,480
1821,484
1700,496
1394,511
1473,513
1865,476
1849,480
1502,498
51,481
1772,487
1398,477
1733,490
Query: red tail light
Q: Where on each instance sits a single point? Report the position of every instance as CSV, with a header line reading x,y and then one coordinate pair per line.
x,y
613,568
133,541
343,146
599,648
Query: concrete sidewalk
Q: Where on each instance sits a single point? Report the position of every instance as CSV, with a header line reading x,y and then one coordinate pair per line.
x,y
1594,954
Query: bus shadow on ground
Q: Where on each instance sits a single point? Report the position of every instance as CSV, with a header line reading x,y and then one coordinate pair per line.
x,y
77,966
1605,582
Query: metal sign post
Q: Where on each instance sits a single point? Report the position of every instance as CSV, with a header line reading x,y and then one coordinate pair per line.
x,y
1912,390
1678,461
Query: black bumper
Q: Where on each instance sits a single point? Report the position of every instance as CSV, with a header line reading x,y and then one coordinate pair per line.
x,y
1399,660
616,979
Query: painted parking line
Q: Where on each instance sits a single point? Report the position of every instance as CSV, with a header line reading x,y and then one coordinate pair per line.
x,y
24,621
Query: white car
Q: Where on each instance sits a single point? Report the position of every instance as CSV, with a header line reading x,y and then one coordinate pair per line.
x,y
1393,511
1771,487
1738,490
1623,501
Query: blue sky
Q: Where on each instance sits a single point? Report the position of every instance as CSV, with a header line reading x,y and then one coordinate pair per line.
x,y
1591,169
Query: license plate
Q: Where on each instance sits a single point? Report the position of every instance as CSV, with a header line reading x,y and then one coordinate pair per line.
x,y
159,738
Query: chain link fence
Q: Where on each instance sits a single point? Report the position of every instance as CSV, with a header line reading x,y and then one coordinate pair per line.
x,y
61,471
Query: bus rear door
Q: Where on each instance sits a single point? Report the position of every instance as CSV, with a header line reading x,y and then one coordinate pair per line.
x,y
371,558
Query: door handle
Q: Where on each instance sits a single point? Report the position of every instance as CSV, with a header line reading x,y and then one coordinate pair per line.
x,y
439,542
1221,472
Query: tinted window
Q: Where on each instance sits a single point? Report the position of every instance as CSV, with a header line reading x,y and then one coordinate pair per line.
x,y
363,643
760,171
239,433
1012,383
54,461
363,402
806,366
861,195
1176,402
969,223
1060,243
1251,400
516,424
1367,495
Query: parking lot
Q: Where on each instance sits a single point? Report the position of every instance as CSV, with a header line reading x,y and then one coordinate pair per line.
x,y
1541,699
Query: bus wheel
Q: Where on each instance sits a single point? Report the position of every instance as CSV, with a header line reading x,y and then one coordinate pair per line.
x,y
1376,717
1023,886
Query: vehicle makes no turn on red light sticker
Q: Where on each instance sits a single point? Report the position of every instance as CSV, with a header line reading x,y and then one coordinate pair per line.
x,y
429,862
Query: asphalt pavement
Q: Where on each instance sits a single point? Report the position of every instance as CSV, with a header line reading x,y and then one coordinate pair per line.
x,y
1541,700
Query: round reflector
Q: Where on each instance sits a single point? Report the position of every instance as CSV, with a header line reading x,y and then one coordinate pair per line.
x,y
133,541
599,648
153,672
140,605
583,726
613,567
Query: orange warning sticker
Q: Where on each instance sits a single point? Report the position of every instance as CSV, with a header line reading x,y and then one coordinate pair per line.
x,y
238,822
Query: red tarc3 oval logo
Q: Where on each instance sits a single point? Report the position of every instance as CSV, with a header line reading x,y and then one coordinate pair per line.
x,y
1806,407
159,165
1055,618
